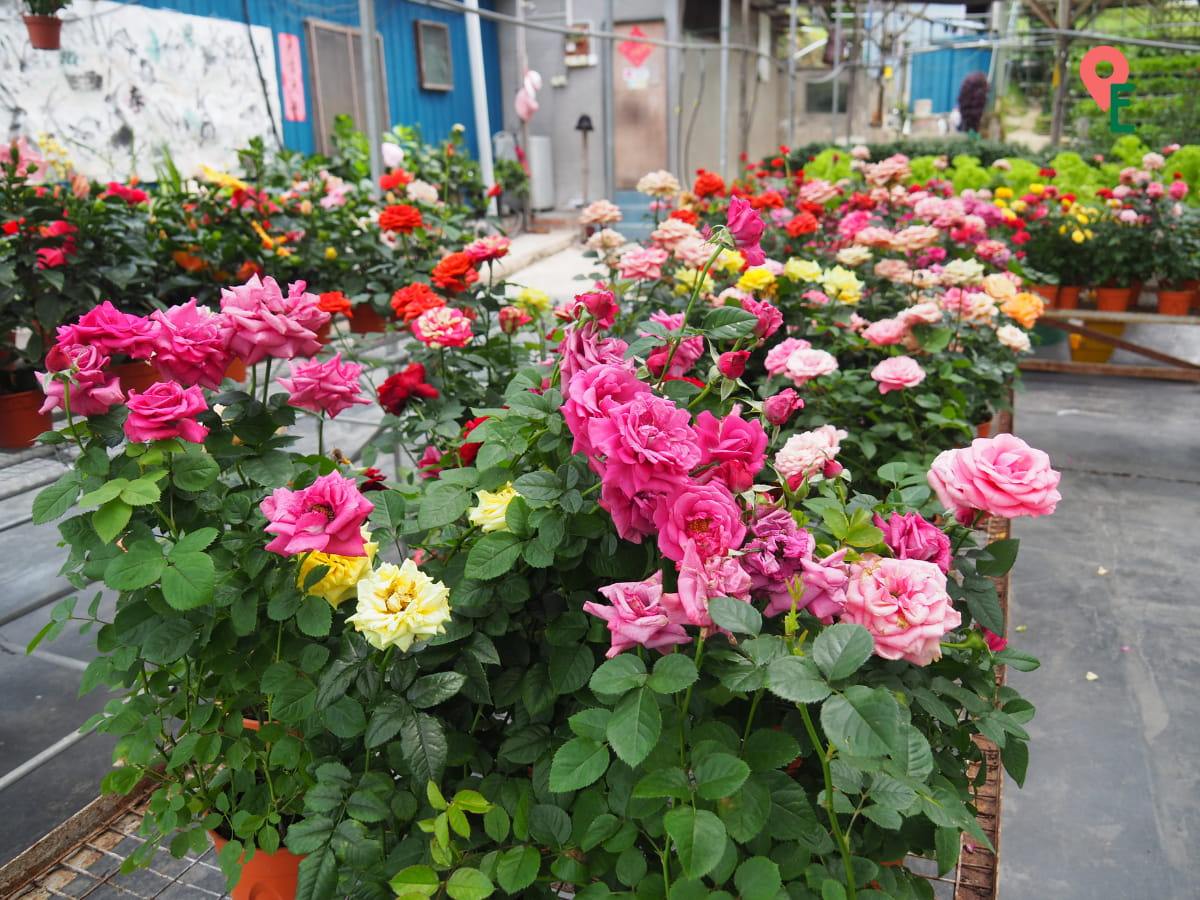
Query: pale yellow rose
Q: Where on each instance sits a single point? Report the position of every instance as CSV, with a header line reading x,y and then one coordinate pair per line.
x,y
999,286
841,285
532,300
341,581
398,605
853,256
802,270
489,515
756,280
730,261
685,281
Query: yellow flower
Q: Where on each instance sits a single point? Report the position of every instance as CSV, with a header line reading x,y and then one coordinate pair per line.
x,y
532,300
341,581
841,284
802,270
730,261
1077,236
223,179
1000,203
999,287
685,281
1036,188
756,279
493,505
330,253
1004,193
1019,206
398,605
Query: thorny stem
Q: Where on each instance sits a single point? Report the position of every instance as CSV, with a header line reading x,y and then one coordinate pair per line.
x,y
838,835
687,701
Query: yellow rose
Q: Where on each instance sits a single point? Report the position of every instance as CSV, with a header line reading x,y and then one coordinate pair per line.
x,y
999,287
1077,236
493,505
341,581
756,279
685,281
1036,188
532,300
798,269
330,253
1019,206
1004,193
1000,202
842,285
398,605
730,261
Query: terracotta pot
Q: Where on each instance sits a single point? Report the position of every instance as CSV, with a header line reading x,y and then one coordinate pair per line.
x,y
1135,293
236,370
20,421
1068,296
324,332
136,375
1174,303
1048,292
266,876
984,429
366,320
1112,299
1193,285
45,32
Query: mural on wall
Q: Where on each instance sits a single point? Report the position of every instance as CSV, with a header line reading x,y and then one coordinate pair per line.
x,y
130,82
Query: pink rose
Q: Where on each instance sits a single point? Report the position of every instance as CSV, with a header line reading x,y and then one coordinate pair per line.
x,y
638,617
821,584
642,263
733,363
805,365
326,516
746,227
898,372
592,394
263,322
512,318
904,604
909,536
601,304
328,387
735,445
582,348
994,642
774,553
705,516
91,390
1178,189
442,327
112,331
885,332
777,356
1002,476
166,410
778,408
701,579
191,344
650,432
805,455
632,496
769,317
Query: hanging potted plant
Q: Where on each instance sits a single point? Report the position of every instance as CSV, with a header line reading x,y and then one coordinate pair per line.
x,y
44,26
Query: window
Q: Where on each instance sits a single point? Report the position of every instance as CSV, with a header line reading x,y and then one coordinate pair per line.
x,y
335,70
818,96
435,69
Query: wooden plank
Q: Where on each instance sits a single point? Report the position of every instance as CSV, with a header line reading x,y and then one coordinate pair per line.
x,y
1164,373
1105,315
1104,337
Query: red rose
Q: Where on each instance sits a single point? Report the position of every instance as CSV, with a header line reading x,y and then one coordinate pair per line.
x,y
401,217
468,451
455,272
394,179
396,391
802,224
409,302
335,302
684,215
708,184
767,200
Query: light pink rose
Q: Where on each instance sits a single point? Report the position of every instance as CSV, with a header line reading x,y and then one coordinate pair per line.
x,y
638,616
442,327
486,248
326,516
642,263
1002,476
777,356
896,270
328,387
1178,189
805,365
885,332
166,410
929,313
821,584
705,516
769,317
264,322
898,372
805,455
904,604
191,344
701,579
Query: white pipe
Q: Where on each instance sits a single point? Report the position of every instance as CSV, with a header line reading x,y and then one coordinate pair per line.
x,y
42,758
483,126
724,118
370,73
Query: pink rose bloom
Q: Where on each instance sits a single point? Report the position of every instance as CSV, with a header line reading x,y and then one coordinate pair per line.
x,y
910,536
916,237
191,344
705,516
994,642
904,604
326,516
581,348
430,463
819,298
733,363
777,356
642,263
1155,189
701,579
852,223
263,322
736,447
746,227
778,408
686,352
1178,189
898,372
601,304
805,455
821,585
648,431
817,191
166,410
487,248
769,317
885,332
638,617
774,553
874,236
591,394
112,331
929,313
671,232
1002,476
442,327
805,365
91,390
896,270
632,496
328,387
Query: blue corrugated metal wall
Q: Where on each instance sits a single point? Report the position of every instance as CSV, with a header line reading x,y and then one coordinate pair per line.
x,y
938,75
435,111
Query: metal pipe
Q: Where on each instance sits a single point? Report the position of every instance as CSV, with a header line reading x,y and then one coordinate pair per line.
x,y
837,62
606,107
791,129
370,73
34,762
723,152
483,127
1060,72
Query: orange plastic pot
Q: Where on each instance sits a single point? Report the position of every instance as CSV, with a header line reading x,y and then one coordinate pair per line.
x,y
20,421
136,375
1174,303
1048,292
366,320
265,876
45,32
1112,299
1068,296
236,370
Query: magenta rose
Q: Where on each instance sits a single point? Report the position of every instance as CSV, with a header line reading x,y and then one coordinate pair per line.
x,y
191,344
166,410
326,516
734,445
821,585
776,548
601,304
904,604
704,515
910,536
638,617
778,408
328,387
263,322
769,317
1002,476
91,389
746,227
648,431
582,347
107,328
592,394
632,496
732,364
898,372
443,327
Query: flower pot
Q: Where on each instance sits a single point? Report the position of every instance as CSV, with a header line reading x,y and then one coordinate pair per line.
x,y
266,876
20,421
236,370
1068,296
136,375
1174,303
984,429
1193,285
324,334
1048,292
1135,293
45,32
1087,350
366,320
1115,299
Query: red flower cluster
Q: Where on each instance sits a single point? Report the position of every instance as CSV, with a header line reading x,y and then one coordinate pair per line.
x,y
335,302
802,224
397,390
131,195
409,302
767,200
454,273
401,217
394,179
684,215
708,184
468,451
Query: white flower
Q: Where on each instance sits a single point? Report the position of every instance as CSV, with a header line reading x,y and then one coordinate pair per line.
x,y
1013,338
398,605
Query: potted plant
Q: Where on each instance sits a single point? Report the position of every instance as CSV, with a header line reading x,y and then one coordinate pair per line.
x,y
44,26
1176,243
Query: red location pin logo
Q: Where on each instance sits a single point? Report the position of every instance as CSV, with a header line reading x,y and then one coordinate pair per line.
x,y
1097,85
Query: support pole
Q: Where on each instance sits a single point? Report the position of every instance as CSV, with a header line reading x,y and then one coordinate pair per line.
x,y
370,74
606,103
1060,72
523,65
724,117
791,126
837,68
483,126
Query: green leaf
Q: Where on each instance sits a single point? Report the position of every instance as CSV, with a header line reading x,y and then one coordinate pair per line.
x,y
441,505
493,555
840,650
892,793
142,492
570,668
599,829
635,726
984,606
423,746
591,723
139,568
111,518
767,749
1003,554
832,890
719,775
578,763
496,824
549,825
862,721
271,468
699,838
884,816
345,718
194,541
539,488
672,673
669,782
315,616
1022,662
517,868
1015,757
56,499
617,675
469,884
430,690
318,874
110,490
189,581
415,880
728,322
735,615
745,812
948,843
757,879
194,471
797,679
